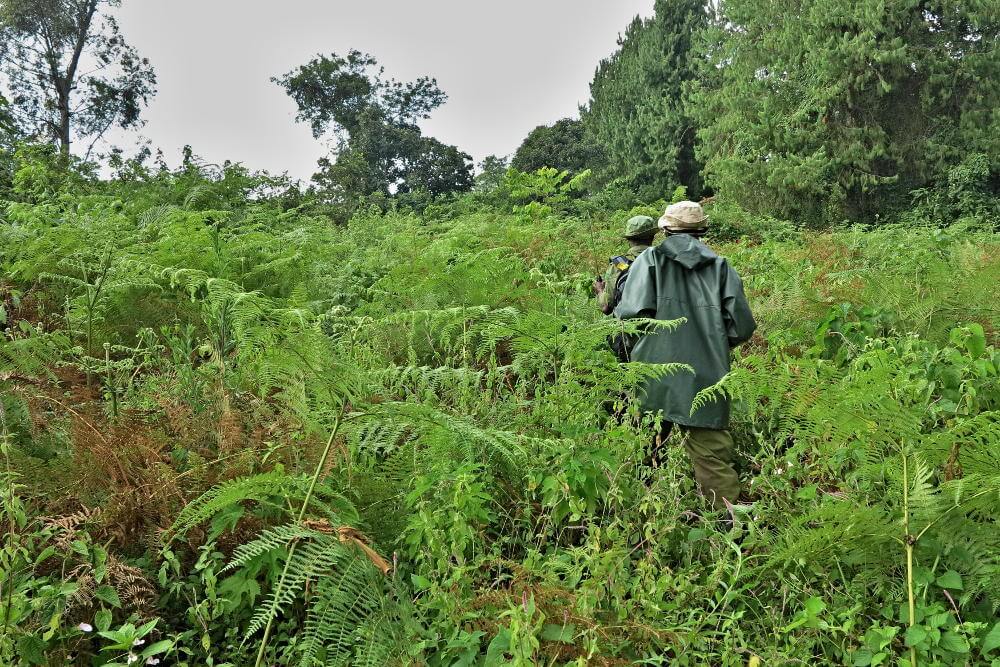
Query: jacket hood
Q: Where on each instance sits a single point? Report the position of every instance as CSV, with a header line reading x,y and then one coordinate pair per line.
x,y
687,251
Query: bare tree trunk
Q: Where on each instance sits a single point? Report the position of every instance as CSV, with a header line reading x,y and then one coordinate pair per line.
x,y
68,82
64,124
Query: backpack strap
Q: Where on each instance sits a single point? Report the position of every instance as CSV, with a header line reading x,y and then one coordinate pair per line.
x,y
620,265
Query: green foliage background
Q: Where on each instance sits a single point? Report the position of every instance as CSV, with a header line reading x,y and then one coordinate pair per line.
x,y
393,442
376,421
638,109
565,146
817,112
825,111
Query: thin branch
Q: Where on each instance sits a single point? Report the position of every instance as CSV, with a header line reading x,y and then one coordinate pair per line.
x,y
29,70
99,136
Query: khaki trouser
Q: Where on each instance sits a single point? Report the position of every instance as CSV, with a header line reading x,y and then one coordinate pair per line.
x,y
712,455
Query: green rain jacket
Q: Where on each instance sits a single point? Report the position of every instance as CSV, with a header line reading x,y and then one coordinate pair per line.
x,y
682,277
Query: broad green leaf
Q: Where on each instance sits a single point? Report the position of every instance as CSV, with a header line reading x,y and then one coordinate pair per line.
x,y
31,649
553,632
102,620
863,657
496,651
950,579
108,594
940,620
121,640
922,575
53,626
992,639
46,553
145,629
915,634
68,588
696,534
158,647
807,492
814,605
952,641
976,342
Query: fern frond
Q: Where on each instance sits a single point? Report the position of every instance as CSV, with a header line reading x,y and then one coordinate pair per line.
x,y
274,489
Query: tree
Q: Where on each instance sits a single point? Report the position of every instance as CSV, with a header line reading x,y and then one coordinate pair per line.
x,y
8,128
379,147
491,173
8,139
638,101
69,71
829,109
435,167
565,145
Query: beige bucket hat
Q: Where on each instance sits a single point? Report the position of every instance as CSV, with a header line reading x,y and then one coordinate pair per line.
x,y
684,216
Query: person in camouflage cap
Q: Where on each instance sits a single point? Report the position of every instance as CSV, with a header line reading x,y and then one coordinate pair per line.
x,y
684,278
639,232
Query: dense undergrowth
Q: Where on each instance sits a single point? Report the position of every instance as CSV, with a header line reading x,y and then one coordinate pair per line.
x,y
392,442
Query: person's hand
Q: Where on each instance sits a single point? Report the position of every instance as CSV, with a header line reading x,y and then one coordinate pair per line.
x,y
599,285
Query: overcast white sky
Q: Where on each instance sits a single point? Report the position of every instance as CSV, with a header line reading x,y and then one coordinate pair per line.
x,y
506,66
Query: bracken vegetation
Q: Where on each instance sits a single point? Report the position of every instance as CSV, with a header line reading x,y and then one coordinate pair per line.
x,y
392,442
375,420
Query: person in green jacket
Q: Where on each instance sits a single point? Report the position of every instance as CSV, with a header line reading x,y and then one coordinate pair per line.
x,y
683,277
640,230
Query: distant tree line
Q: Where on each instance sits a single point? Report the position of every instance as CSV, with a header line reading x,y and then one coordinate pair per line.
x,y
813,110
816,111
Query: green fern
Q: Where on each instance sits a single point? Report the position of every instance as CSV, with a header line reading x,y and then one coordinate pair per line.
x,y
274,489
885,460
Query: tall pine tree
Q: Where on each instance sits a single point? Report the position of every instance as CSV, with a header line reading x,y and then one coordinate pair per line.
x,y
821,110
637,110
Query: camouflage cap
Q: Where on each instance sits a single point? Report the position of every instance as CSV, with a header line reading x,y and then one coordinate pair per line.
x,y
684,216
639,225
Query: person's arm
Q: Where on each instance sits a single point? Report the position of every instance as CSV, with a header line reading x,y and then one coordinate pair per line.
x,y
603,292
639,293
736,314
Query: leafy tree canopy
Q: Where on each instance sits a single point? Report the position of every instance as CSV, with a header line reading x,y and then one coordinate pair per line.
x,y
380,149
831,109
68,71
637,110
565,145
491,173
393,159
335,93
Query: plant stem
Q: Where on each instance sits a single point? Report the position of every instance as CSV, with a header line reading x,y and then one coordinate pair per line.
x,y
298,520
111,381
908,542
9,510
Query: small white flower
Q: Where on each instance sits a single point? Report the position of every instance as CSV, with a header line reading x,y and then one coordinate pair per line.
x,y
138,642
778,471
153,661
132,657
85,627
